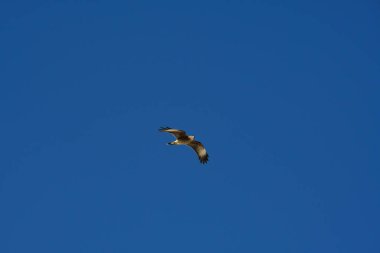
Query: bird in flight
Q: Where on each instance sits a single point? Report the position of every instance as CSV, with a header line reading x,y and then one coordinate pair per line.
x,y
183,139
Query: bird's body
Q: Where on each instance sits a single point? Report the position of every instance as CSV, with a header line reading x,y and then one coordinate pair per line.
x,y
183,139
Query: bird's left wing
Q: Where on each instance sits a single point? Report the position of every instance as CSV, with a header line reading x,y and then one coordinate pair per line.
x,y
200,150
176,132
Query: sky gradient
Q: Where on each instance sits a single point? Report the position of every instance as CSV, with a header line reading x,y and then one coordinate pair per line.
x,y
283,94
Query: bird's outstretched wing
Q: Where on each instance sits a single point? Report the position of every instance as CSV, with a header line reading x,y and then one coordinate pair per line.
x,y
176,132
200,150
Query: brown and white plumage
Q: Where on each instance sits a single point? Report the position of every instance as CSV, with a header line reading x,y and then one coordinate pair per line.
x,y
183,139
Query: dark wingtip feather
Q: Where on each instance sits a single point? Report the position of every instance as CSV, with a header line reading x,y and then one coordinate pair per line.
x,y
204,159
163,128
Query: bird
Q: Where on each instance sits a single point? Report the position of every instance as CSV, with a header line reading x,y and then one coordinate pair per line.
x,y
183,139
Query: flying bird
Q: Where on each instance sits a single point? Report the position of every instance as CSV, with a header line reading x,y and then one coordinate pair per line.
x,y
183,139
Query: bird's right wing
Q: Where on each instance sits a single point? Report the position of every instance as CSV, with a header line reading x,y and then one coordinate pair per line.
x,y
176,132
200,150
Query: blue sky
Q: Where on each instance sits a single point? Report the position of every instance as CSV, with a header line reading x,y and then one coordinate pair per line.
x,y
284,95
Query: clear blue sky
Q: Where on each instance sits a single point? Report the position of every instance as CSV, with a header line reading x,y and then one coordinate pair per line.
x,y
284,95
